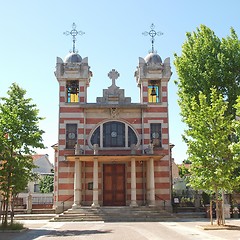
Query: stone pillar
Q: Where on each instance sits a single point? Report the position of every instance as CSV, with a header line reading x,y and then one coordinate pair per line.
x,y
77,185
147,182
151,183
29,203
133,184
95,183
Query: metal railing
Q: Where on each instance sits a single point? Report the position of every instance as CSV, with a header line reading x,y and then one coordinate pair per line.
x,y
63,202
164,201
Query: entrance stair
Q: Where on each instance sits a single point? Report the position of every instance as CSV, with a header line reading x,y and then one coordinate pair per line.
x,y
115,214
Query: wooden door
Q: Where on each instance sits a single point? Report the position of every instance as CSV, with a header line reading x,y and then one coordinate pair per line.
x,y
114,185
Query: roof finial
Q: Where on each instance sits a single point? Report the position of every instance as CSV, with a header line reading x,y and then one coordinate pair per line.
x,y
74,32
113,75
152,33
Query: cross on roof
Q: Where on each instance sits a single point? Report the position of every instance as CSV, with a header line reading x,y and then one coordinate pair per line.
x,y
152,33
74,32
113,75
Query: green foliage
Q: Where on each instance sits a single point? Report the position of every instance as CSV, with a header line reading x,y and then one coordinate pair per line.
x,y
187,161
207,62
235,145
12,226
46,184
19,135
210,66
183,171
208,143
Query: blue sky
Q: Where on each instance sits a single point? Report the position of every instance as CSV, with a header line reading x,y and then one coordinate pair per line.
x,y
32,37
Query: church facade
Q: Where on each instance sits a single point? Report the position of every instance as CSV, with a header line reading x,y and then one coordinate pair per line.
x,y
112,152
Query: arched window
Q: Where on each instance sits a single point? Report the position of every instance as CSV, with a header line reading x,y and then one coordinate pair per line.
x,y
113,134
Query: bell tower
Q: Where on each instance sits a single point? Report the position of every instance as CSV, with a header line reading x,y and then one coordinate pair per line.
x,y
73,74
152,74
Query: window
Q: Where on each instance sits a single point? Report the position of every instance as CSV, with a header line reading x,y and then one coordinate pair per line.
x,y
71,136
36,187
156,134
153,92
113,134
72,89
132,138
95,139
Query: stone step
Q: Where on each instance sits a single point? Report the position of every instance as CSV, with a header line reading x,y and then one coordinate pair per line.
x,y
114,214
34,216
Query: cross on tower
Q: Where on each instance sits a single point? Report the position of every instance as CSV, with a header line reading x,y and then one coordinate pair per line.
x,y
74,32
113,75
152,33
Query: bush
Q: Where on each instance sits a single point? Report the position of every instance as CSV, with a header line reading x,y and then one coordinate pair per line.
x,y
14,226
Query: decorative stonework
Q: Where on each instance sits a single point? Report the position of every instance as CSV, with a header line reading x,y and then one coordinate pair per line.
x,y
113,75
113,95
114,113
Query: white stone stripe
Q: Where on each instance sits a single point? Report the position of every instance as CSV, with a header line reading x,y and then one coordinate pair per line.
x,y
82,94
62,94
67,169
164,136
157,115
65,192
162,180
71,115
164,84
66,180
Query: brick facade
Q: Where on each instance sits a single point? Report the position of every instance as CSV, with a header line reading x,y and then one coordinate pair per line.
x,y
113,130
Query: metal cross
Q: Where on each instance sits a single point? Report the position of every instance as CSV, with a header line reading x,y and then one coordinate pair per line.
x,y
74,32
152,33
113,75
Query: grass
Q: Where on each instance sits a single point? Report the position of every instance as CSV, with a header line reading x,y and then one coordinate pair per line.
x,y
14,226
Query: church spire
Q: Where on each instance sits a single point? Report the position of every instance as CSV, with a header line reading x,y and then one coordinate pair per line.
x,y
74,32
152,33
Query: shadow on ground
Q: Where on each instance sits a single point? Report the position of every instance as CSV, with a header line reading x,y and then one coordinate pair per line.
x,y
35,233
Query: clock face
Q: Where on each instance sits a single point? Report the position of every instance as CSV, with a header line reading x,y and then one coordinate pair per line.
x,y
71,135
114,134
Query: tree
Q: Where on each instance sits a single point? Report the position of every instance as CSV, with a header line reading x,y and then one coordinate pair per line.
x,y
208,140
206,62
19,135
46,184
235,146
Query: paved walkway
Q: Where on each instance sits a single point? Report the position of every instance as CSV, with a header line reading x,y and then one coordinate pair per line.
x,y
177,230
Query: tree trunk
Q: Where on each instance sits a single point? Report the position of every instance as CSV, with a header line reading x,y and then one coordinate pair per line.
x,y
12,210
211,212
223,208
7,198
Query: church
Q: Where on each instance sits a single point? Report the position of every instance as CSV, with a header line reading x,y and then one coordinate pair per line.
x,y
112,152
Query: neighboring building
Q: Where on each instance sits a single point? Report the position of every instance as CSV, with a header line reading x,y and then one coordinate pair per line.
x,y
38,200
112,152
44,167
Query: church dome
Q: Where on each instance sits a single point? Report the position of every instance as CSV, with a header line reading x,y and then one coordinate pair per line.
x,y
153,58
73,58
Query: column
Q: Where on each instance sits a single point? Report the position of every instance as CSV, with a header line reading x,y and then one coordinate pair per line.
x,y
95,183
133,184
151,183
77,185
